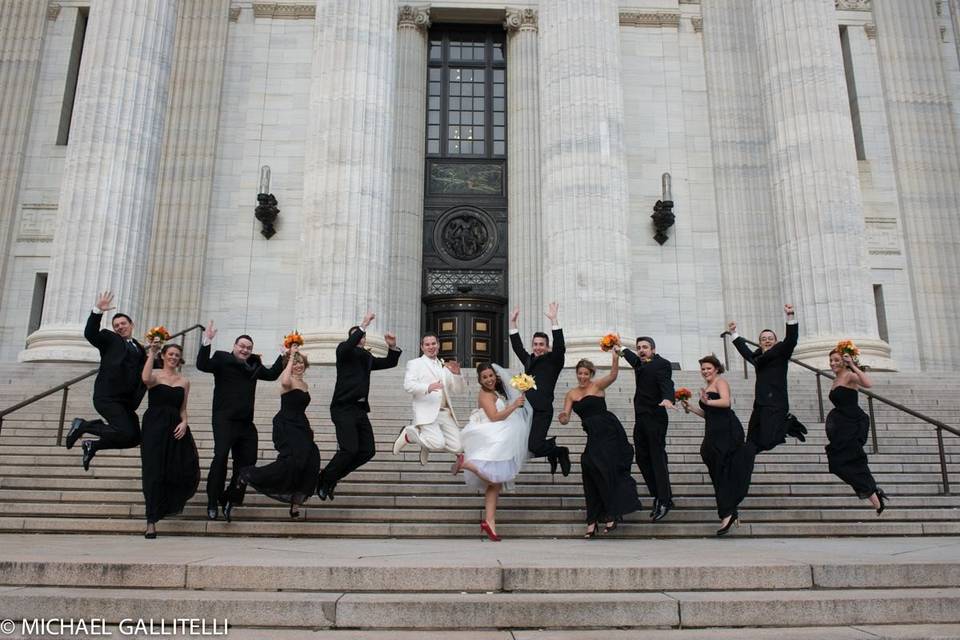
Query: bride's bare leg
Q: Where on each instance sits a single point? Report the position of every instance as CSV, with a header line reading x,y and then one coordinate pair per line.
x,y
490,505
469,466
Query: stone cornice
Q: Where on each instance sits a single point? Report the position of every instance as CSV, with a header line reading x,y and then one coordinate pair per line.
x,y
234,14
414,17
852,5
284,11
53,10
871,30
520,19
697,22
649,19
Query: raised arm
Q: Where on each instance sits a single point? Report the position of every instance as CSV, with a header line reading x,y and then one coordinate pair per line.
x,y
609,379
858,376
392,358
146,374
273,372
286,377
559,348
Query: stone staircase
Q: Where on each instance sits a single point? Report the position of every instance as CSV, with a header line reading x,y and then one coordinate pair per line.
x,y
44,489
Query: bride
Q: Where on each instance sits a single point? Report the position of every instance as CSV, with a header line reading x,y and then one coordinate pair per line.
x,y
494,441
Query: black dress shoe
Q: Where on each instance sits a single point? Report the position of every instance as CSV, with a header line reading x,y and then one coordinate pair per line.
x,y
89,450
211,513
656,506
76,430
663,508
150,535
553,464
563,455
795,428
323,493
227,510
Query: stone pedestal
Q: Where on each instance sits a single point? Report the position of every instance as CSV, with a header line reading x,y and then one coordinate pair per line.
x,y
927,159
348,173
583,172
107,199
406,249
179,238
817,206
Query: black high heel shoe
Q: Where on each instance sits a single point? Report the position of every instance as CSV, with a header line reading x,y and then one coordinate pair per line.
x,y
882,497
734,521
294,511
590,532
609,528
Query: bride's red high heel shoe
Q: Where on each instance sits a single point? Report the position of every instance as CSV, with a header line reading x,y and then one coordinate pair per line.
x,y
489,531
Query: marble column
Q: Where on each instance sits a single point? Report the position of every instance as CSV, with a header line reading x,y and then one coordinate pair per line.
x,y
107,198
524,219
583,172
749,269
22,24
179,237
817,205
406,250
348,173
927,163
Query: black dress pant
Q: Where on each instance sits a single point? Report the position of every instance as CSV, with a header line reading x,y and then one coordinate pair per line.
x,y
121,430
768,427
539,444
650,445
355,444
236,437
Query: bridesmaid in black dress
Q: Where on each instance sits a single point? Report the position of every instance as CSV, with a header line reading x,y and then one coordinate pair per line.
x,y
170,465
609,489
728,457
847,428
292,477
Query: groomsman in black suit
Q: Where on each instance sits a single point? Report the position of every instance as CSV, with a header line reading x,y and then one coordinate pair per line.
x,y
545,366
118,390
350,406
654,395
235,376
771,420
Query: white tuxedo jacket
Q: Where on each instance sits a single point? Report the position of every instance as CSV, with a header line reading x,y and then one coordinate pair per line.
x,y
420,373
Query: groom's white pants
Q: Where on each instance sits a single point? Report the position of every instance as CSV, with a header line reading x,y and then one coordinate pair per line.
x,y
441,435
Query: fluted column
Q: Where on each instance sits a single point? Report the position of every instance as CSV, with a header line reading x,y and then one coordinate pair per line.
x,y
107,198
751,285
348,171
406,250
817,206
583,171
524,220
927,164
21,39
179,238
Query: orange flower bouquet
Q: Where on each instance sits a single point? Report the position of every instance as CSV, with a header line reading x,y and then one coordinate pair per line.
x,y
609,341
682,395
157,333
848,348
292,338
523,382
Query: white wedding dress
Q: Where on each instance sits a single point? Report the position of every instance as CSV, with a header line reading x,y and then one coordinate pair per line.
x,y
497,449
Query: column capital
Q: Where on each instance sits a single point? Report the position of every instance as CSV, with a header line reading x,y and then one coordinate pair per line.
x,y
414,17
852,5
520,19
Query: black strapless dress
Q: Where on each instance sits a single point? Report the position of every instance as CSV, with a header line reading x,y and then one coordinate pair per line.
x,y
728,457
847,429
170,467
608,487
292,477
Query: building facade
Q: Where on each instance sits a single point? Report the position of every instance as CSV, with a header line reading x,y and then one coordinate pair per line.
x,y
442,163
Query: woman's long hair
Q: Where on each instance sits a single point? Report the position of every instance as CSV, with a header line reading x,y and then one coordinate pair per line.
x,y
483,366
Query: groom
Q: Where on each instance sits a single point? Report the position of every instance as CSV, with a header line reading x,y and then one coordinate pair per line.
x,y
545,366
430,381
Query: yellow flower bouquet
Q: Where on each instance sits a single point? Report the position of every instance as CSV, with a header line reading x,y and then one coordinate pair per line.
x,y
523,382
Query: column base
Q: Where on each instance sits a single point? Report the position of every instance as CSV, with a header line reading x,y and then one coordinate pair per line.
x,y
873,353
58,344
320,346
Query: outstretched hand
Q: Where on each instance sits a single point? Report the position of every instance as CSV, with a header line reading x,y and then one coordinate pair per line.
x,y
367,319
732,326
667,404
564,417
390,339
210,332
453,366
788,309
105,301
552,311
514,315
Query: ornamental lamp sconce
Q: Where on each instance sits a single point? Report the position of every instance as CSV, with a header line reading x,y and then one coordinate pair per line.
x,y
267,210
663,217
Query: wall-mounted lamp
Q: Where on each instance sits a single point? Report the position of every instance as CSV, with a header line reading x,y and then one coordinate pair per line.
x,y
267,210
663,217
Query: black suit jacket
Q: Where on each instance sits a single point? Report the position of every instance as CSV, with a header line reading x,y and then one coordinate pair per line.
x,y
771,385
235,381
545,369
654,381
354,365
121,364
